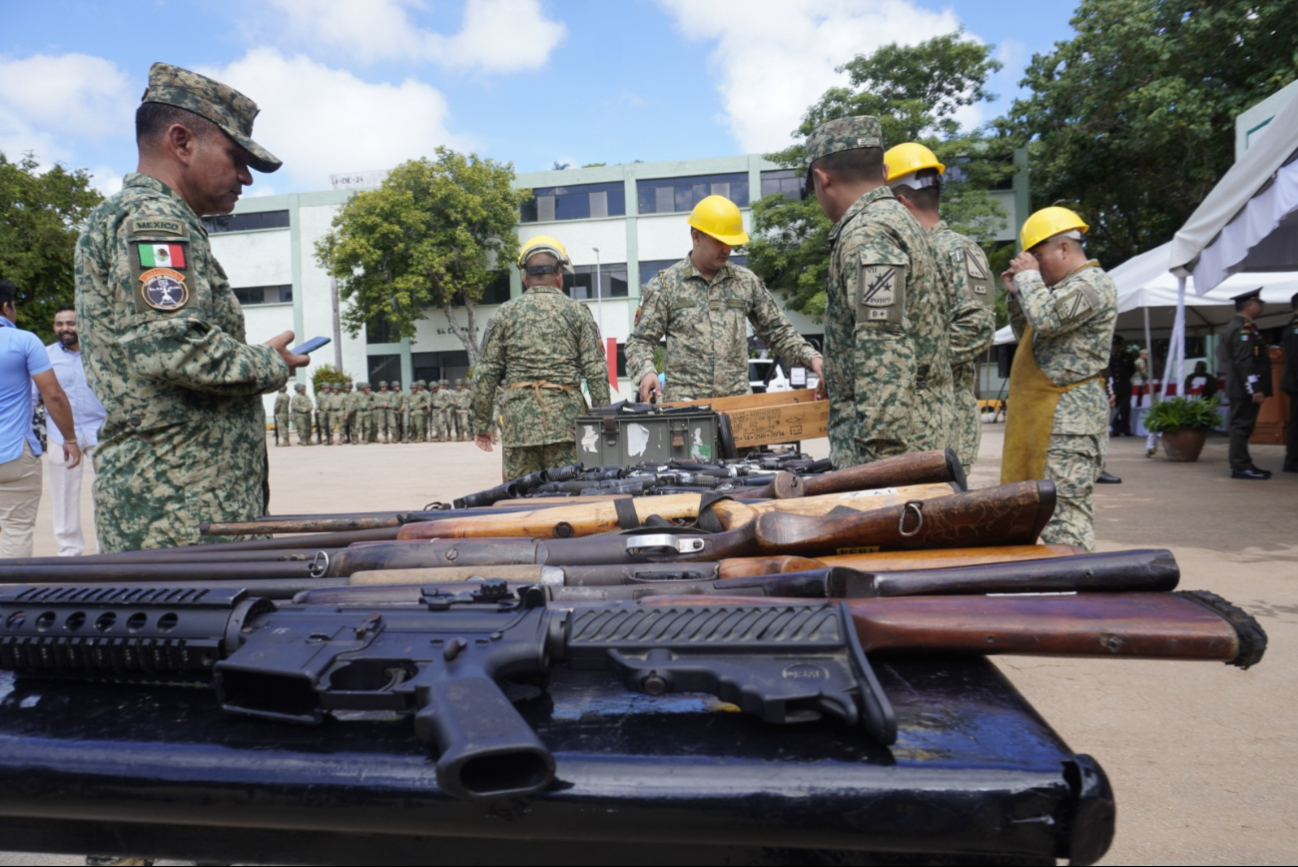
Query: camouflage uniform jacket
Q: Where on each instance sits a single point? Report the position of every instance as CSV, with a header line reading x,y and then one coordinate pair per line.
x,y
973,294
281,404
302,404
169,359
1072,324
543,335
706,324
887,366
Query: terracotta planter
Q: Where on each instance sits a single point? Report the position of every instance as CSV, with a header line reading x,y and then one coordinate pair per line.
x,y
1184,444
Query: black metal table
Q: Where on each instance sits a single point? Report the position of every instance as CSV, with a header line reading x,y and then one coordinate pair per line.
x,y
976,776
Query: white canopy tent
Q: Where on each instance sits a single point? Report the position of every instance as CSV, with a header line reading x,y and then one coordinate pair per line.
x,y
1247,225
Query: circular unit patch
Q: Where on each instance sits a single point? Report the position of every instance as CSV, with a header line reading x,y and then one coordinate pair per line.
x,y
164,289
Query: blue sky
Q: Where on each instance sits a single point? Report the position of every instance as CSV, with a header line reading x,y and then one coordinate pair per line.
x,y
357,85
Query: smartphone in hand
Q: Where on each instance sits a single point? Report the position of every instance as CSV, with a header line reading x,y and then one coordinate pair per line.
x,y
309,346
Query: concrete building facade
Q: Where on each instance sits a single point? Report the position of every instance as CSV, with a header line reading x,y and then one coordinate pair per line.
x,y
620,224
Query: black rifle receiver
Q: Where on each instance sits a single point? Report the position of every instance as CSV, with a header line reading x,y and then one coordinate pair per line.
x,y
440,661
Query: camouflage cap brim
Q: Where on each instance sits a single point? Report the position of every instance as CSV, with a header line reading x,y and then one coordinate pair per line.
x,y
221,104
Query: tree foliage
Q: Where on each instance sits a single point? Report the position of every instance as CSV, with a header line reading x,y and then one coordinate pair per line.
x,y
1133,119
915,91
434,234
43,214
327,373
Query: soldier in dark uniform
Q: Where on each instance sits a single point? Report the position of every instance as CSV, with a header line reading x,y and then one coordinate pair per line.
x,y
1121,368
1248,381
1289,385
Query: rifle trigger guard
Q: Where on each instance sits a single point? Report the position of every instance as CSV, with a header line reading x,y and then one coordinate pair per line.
x,y
319,565
662,543
916,506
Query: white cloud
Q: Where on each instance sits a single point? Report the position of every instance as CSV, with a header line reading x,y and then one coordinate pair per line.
x,y
107,180
321,121
496,36
50,102
772,59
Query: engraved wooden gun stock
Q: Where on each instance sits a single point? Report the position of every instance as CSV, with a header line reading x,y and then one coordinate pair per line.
x,y
1004,515
917,468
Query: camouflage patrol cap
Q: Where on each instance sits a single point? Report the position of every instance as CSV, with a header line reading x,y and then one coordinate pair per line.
x,y
844,134
362,385
383,384
297,386
221,104
419,383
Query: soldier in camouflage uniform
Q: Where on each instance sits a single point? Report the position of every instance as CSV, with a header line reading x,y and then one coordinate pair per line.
x,y
360,413
184,442
418,412
380,404
302,409
540,344
326,415
915,176
352,408
703,305
887,366
463,403
401,412
281,418
1063,308
441,414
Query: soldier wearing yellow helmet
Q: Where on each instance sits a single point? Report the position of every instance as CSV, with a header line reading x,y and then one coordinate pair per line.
x,y
540,345
702,305
1063,308
915,176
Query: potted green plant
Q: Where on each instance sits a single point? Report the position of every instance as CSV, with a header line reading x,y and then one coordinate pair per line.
x,y
1184,423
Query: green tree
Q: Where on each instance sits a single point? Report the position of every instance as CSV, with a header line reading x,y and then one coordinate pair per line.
x,y
1133,120
434,234
43,213
915,91
327,373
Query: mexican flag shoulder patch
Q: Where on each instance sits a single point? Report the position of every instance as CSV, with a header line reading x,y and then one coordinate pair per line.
x,y
161,255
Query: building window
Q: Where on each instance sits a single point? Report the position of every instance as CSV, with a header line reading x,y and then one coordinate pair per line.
x,y
649,268
251,295
786,182
581,202
497,291
581,285
433,366
379,330
673,195
384,368
246,222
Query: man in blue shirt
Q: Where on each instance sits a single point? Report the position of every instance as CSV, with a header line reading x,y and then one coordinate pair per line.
x,y
87,415
23,361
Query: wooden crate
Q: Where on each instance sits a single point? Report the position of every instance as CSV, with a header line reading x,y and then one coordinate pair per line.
x,y
774,417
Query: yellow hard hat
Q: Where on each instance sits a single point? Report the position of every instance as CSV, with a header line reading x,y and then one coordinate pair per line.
x,y
543,244
719,217
908,158
1048,222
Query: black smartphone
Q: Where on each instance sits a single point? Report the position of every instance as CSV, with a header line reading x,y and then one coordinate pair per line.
x,y
309,346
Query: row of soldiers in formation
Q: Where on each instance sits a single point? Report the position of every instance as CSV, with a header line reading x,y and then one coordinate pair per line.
x,y
428,412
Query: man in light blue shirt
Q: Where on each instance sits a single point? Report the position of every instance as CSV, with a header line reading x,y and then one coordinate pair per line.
x,y
22,361
87,415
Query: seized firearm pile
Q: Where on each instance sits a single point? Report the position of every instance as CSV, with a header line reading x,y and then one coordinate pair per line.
x,y
769,595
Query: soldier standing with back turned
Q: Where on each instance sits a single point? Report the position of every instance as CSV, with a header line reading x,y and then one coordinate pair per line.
x,y
915,176
887,367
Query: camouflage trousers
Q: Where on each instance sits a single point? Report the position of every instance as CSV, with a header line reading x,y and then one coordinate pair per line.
x,y
302,424
418,427
442,424
462,432
1073,463
281,428
968,431
521,460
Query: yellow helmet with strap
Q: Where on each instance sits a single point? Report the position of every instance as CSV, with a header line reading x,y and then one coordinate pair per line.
x,y
908,158
543,244
1048,222
719,217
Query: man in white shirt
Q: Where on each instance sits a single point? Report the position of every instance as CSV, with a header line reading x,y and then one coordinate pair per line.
x,y
87,415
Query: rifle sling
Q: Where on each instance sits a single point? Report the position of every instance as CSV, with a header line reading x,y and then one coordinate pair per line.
x,y
627,518
708,521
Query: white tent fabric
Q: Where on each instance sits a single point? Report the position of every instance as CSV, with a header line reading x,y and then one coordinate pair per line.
x,y
1248,221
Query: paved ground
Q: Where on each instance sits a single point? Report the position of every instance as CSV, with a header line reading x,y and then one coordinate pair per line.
x,y
1201,756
